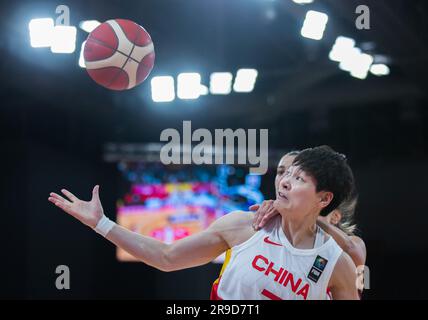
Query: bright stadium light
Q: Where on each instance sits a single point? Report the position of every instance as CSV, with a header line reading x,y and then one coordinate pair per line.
x,y
379,69
314,25
203,90
64,39
350,59
303,1
245,80
221,83
81,59
162,89
362,66
89,25
41,32
341,48
189,85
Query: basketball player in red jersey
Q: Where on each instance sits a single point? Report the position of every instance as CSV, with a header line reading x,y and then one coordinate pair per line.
x,y
291,258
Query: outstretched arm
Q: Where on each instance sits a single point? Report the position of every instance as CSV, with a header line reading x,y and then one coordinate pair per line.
x,y
191,251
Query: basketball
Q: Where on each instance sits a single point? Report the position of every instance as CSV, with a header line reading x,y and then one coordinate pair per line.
x,y
119,54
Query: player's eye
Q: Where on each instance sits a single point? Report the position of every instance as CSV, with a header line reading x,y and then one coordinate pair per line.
x,y
287,173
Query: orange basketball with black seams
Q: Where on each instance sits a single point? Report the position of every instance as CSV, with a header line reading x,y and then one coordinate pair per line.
x,y
119,54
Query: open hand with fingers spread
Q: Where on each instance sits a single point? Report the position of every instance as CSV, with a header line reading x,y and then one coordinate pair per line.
x,y
264,213
87,212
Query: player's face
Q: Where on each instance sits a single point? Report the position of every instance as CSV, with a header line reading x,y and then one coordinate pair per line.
x,y
296,193
283,165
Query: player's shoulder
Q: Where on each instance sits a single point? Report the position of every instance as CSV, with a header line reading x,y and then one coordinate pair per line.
x,y
358,251
236,227
344,267
344,261
236,218
240,216
358,241
344,278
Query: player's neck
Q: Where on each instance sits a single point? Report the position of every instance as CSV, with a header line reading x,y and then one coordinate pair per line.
x,y
300,232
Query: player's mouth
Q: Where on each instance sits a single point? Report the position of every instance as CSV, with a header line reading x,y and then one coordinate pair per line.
x,y
282,196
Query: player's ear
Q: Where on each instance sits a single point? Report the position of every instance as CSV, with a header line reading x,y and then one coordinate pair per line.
x,y
325,197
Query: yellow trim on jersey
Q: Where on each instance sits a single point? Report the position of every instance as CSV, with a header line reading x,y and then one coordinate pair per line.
x,y
226,261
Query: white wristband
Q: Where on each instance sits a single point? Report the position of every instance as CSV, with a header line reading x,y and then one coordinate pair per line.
x,y
104,226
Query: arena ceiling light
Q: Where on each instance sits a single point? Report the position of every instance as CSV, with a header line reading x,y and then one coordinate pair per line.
x,y
314,25
221,82
245,80
63,39
81,59
341,49
362,66
89,25
379,69
162,89
41,32
348,61
189,85
303,1
357,63
203,90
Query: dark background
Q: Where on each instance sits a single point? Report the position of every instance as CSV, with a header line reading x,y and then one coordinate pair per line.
x,y
55,121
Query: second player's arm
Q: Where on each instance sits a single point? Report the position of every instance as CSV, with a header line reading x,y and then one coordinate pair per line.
x,y
352,245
